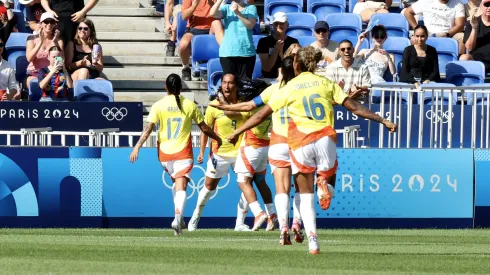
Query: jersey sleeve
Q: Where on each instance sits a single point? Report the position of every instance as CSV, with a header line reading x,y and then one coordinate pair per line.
x,y
278,100
197,115
209,116
153,116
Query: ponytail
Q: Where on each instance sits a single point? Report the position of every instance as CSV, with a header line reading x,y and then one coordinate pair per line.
x,y
174,86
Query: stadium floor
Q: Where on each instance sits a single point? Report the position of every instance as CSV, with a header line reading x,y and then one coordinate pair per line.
x,y
124,251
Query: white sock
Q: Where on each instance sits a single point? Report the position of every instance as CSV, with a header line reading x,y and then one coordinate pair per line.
x,y
282,207
269,209
173,191
202,199
242,210
308,213
256,209
185,66
296,204
180,199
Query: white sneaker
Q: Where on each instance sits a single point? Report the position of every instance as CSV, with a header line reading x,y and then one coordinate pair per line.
x,y
177,227
242,227
313,244
193,222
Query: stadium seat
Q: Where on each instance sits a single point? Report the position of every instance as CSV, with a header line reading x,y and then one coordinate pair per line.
x,y
465,73
352,3
343,24
181,26
256,39
321,8
34,90
300,24
21,22
17,42
305,40
447,50
430,88
481,98
287,6
396,46
376,94
396,24
215,71
353,39
19,61
93,90
258,68
204,48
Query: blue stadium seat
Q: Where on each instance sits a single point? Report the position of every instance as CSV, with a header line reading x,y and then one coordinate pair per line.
x,y
34,90
301,24
321,8
376,94
343,24
353,39
480,97
352,3
428,88
396,46
181,26
287,6
396,24
19,61
204,48
16,42
447,50
93,90
256,39
258,68
305,40
465,73
21,22
215,72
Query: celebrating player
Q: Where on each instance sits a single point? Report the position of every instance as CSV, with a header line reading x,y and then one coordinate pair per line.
x,y
311,136
175,114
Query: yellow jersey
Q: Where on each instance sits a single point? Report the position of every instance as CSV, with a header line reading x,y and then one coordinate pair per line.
x,y
224,126
279,131
309,99
258,136
174,133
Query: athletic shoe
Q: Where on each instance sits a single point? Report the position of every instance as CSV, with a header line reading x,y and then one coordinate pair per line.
x,y
297,232
259,221
272,223
170,49
242,227
177,227
285,238
313,244
325,192
182,223
186,74
193,222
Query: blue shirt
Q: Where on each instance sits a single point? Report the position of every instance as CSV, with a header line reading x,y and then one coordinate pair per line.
x,y
238,40
57,80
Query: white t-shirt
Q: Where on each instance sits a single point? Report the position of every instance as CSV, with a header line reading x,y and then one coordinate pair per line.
x,y
439,17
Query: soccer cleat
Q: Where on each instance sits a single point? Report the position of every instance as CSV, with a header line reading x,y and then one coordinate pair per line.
x,y
186,74
272,223
297,232
170,49
285,238
242,228
259,221
313,244
325,192
182,223
193,222
177,227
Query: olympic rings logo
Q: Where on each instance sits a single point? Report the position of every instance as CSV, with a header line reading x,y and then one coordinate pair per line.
x,y
114,113
439,116
196,186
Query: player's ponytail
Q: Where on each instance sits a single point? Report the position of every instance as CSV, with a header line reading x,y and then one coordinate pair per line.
x,y
287,70
174,87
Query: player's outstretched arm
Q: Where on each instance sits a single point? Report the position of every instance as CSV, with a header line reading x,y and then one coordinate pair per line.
x,y
210,133
255,120
239,107
144,136
360,110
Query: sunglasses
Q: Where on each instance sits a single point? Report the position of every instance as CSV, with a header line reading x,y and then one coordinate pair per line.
x,y
83,28
50,22
486,5
321,31
1,45
348,49
379,36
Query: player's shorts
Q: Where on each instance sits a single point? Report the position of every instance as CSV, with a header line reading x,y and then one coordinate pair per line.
x,y
217,166
251,160
178,168
319,156
279,156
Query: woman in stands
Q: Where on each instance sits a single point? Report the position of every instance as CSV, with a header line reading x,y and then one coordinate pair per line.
x,y
37,48
81,59
420,64
174,114
376,58
366,9
237,50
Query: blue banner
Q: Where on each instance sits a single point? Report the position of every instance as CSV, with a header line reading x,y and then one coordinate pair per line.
x,y
71,116
482,188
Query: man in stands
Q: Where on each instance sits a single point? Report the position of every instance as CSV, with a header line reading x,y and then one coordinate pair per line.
x,y
199,22
8,21
328,47
271,49
443,18
9,87
34,10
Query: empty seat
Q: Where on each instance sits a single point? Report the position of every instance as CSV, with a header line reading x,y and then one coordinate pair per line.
x,y
395,23
305,40
34,90
17,42
321,8
215,72
377,94
465,73
258,68
19,61
300,24
204,47
287,6
256,39
93,90
343,24
447,50
181,26
433,94
481,98
396,46
21,22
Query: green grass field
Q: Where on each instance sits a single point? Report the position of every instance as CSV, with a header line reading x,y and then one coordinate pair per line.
x,y
122,251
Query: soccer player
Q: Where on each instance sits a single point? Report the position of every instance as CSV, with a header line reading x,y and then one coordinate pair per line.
x,y
278,152
175,114
311,136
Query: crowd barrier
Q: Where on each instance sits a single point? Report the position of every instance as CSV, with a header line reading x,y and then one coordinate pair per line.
x,y
375,188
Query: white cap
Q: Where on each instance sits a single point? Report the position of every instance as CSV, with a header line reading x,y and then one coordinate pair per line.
x,y
47,15
280,17
25,2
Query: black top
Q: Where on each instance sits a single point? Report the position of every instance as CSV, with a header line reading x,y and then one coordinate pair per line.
x,y
78,55
413,67
34,12
66,7
481,52
266,45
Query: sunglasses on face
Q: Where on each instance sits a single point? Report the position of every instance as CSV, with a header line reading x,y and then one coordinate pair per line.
x,y
321,31
379,36
1,45
486,5
83,28
49,22
348,49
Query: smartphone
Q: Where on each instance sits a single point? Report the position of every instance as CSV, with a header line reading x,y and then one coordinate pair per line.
x,y
58,62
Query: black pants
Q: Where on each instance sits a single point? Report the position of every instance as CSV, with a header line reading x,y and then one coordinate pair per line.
x,y
67,28
239,66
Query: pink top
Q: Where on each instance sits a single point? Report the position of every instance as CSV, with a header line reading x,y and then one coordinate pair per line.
x,y
41,60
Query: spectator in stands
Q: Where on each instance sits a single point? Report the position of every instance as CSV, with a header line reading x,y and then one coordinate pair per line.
x,y
8,22
69,13
420,63
350,73
443,18
37,49
34,10
366,9
237,52
9,88
472,8
54,80
171,12
376,59
328,47
199,22
292,50
477,37
271,49
81,60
